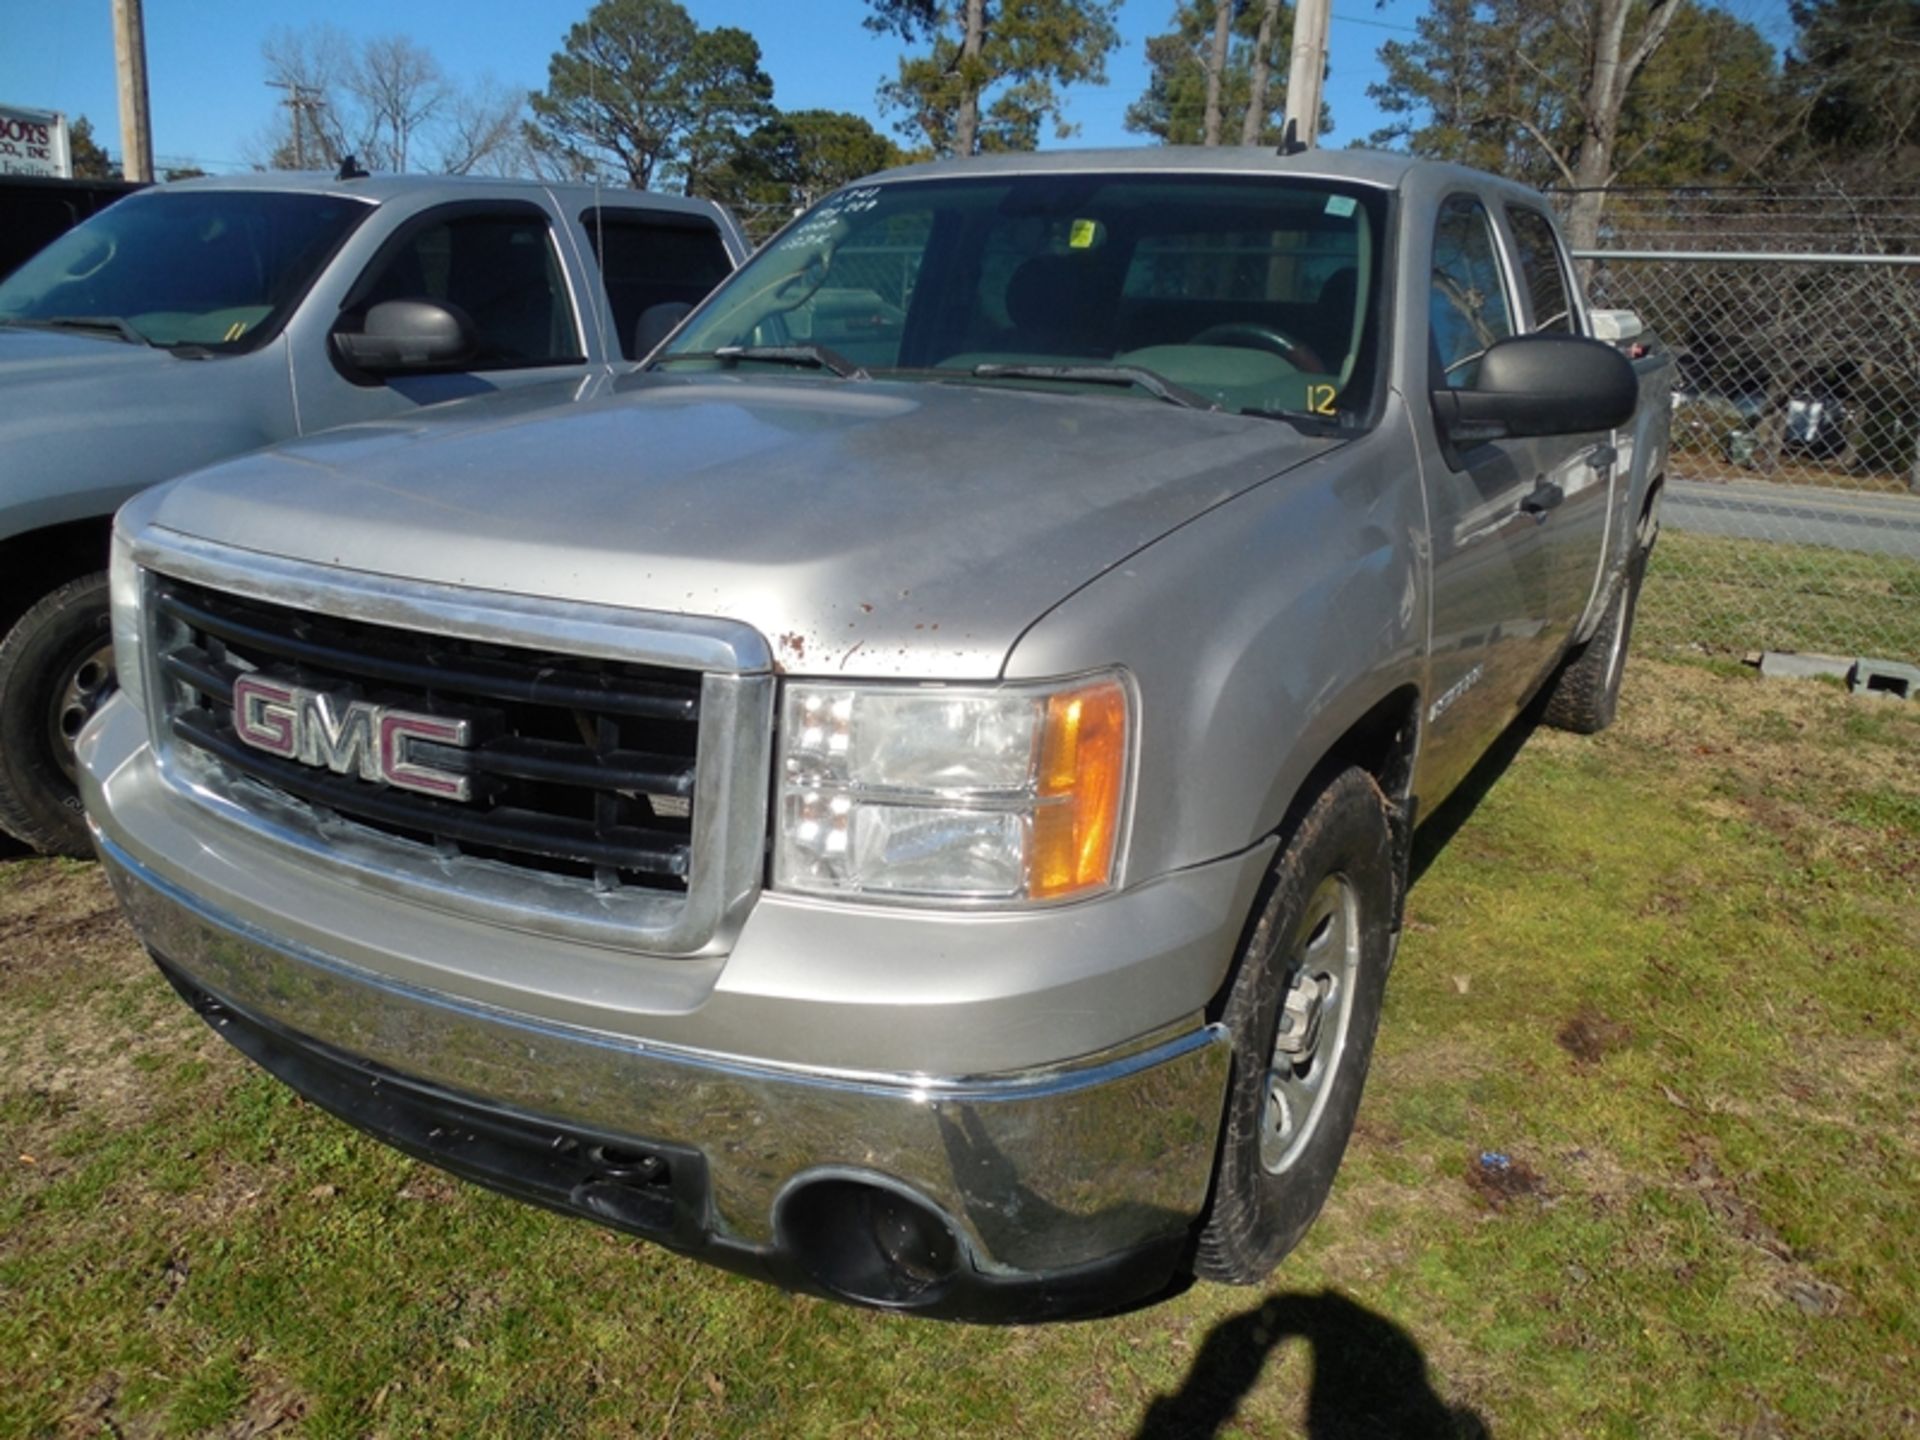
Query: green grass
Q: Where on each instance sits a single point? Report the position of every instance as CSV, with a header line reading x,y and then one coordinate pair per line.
x,y
1717,905
1717,594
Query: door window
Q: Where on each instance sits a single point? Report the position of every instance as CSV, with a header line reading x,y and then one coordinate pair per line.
x,y
647,260
1542,272
1467,310
502,272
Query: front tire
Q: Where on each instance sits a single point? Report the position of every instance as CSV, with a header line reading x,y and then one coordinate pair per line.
x,y
56,668
1303,1009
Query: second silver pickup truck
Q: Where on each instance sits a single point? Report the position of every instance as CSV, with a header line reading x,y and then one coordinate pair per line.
x,y
911,796
196,321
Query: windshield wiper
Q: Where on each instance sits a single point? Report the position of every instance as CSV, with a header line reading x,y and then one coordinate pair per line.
x,y
813,357
1307,422
1137,376
104,324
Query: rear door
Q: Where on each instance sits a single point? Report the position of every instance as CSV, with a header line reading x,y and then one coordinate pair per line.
x,y
499,262
1576,531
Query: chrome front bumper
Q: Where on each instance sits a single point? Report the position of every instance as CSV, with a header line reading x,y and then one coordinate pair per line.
x,y
1042,1174
1067,1186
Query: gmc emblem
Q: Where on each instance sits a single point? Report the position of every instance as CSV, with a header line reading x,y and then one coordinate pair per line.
x,y
348,737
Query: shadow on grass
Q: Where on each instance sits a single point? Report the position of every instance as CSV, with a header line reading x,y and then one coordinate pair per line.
x,y
1437,829
1369,1378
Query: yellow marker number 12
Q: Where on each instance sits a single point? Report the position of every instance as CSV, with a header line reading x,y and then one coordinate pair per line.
x,y
1320,399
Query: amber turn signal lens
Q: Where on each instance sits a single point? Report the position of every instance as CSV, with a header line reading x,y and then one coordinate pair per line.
x,y
1083,778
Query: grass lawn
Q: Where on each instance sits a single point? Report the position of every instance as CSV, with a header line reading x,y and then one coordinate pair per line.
x,y
1669,973
1728,596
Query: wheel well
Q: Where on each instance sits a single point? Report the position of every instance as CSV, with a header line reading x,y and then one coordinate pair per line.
x,y
1382,743
36,562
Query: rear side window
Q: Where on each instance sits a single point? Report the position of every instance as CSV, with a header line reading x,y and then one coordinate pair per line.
x,y
502,271
648,260
1467,309
1542,272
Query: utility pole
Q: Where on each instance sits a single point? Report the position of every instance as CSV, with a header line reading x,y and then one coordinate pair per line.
x,y
1309,69
130,61
300,98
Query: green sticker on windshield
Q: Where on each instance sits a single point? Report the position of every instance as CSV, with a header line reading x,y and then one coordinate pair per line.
x,y
1084,235
1341,205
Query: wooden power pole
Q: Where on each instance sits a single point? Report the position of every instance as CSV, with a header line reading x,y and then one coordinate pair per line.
x,y
301,99
136,120
1308,70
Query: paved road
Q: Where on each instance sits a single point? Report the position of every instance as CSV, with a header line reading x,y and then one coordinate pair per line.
x,y
1874,523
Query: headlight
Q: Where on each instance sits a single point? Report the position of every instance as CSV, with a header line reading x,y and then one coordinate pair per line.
x,y
1003,794
123,592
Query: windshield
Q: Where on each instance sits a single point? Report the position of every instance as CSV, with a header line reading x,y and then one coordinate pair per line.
x,y
196,267
1252,294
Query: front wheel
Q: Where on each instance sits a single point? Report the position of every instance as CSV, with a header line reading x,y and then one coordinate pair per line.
x,y
56,668
1302,1011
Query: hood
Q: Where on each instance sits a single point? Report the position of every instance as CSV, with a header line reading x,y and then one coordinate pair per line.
x,y
40,364
866,528
86,420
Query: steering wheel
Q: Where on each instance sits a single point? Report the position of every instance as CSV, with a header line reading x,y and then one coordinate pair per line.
x,y
1247,335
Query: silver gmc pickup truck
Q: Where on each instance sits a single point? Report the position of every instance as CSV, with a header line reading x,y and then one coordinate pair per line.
x,y
196,321
909,797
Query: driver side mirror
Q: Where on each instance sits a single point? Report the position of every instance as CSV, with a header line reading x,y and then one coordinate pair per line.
x,y
1540,385
398,336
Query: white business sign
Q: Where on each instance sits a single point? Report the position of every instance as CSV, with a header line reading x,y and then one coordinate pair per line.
x,y
34,142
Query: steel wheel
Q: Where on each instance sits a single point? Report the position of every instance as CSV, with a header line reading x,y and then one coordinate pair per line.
x,y
88,682
1311,1039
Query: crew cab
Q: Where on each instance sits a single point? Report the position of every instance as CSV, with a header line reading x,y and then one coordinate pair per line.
x,y
195,321
909,796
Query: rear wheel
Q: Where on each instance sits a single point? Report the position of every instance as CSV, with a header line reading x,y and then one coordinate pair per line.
x,y
56,669
1303,1010
1586,693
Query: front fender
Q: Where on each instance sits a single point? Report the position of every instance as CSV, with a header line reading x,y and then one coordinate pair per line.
x,y
1259,634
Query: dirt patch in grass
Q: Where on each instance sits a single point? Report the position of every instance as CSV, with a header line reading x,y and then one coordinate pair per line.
x,y
1590,1036
1785,1274
1500,1179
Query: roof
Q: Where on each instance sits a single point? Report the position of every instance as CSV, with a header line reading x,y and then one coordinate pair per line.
x,y
381,188
1364,167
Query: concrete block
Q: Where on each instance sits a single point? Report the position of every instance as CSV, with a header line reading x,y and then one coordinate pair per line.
x,y
1885,677
1784,665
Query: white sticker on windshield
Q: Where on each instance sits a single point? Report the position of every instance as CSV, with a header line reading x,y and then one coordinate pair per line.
x,y
1341,205
819,225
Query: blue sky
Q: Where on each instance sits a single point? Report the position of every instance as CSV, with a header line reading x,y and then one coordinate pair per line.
x,y
205,74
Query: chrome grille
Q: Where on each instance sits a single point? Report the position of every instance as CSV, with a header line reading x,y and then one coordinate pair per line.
x,y
582,767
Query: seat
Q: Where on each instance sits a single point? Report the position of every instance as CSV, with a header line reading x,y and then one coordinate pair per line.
x,y
1329,324
1063,305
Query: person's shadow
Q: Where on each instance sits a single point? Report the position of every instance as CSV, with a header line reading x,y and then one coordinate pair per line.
x,y
1369,1378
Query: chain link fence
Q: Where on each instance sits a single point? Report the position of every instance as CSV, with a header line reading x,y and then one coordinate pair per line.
x,y
1792,518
